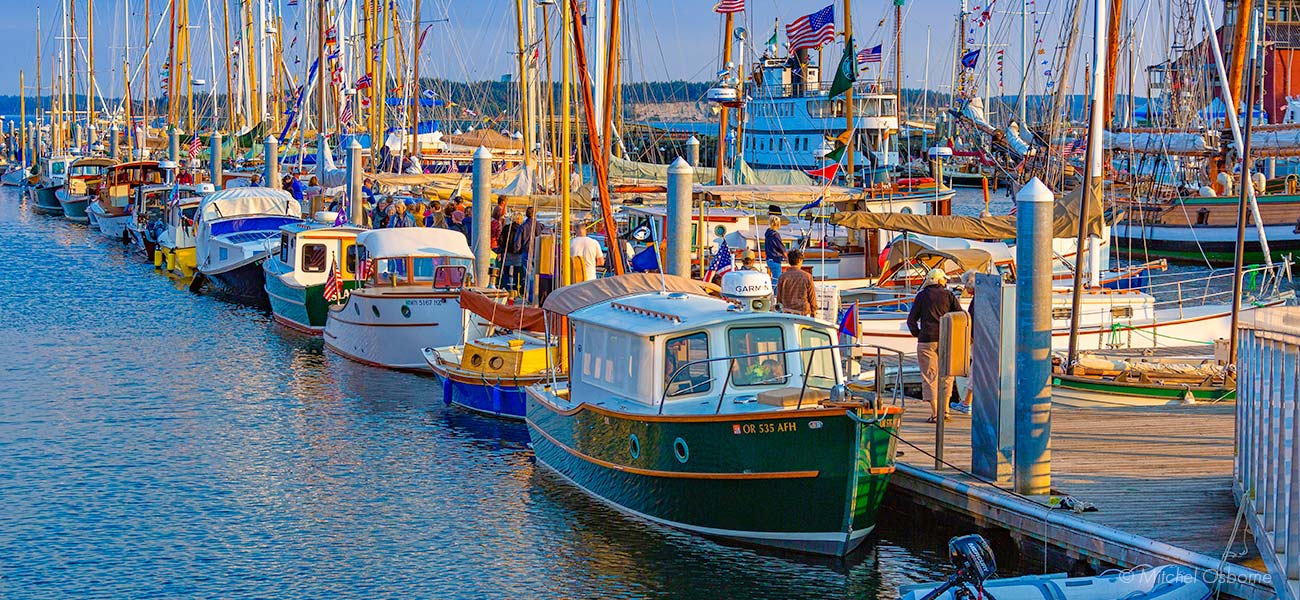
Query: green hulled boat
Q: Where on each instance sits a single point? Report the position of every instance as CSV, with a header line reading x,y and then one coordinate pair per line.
x,y
688,411
296,275
1101,381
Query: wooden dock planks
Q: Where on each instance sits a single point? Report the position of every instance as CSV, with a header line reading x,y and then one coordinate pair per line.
x,y
1162,473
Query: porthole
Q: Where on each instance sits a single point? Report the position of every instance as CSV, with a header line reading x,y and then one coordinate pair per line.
x,y
634,446
356,308
495,362
374,309
476,360
680,449
406,311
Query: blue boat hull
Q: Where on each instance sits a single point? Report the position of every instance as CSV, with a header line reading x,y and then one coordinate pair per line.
x,y
506,402
246,282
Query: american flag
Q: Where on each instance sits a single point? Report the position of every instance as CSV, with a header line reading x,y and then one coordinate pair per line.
x,y
729,6
345,117
363,269
869,55
333,290
812,31
722,262
194,147
1077,147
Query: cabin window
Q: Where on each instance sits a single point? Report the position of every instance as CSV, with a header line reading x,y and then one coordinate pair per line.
x,y
313,258
286,244
765,369
819,365
682,375
449,277
610,360
354,253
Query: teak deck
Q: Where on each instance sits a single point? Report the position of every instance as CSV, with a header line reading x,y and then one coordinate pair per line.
x,y
1159,473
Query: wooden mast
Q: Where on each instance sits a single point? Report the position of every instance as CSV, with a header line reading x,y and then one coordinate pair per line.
x,y
236,122
368,28
729,22
36,145
524,125
1112,60
849,122
90,70
599,164
417,91
1239,43
320,70
566,142
611,78
381,81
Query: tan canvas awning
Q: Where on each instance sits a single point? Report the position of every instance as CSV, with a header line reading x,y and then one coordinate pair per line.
x,y
574,297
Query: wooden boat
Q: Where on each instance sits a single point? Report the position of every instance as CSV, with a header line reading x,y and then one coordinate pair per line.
x,y
54,173
409,301
1204,229
113,204
488,375
236,230
147,218
81,185
693,412
175,250
1102,381
295,276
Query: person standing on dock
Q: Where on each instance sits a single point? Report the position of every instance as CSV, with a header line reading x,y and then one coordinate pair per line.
x,y
931,304
774,248
589,250
795,293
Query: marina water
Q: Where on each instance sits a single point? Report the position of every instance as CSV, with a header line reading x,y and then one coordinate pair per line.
x,y
160,444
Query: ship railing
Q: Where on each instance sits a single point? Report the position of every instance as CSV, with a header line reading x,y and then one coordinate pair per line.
x,y
1175,289
1266,468
821,89
883,356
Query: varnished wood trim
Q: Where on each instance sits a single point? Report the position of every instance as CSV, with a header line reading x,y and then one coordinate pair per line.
x,y
774,415
675,474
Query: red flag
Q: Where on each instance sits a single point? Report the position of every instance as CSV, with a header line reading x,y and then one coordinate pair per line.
x,y
849,322
827,172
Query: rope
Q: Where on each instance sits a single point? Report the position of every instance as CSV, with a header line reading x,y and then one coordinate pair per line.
x,y
1116,327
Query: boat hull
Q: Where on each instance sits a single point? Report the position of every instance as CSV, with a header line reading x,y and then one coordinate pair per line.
x,y
373,329
46,202
74,205
1093,392
14,177
807,480
244,281
297,307
488,397
1215,244
110,226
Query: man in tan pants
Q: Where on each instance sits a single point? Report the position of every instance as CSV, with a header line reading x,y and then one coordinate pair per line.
x,y
931,304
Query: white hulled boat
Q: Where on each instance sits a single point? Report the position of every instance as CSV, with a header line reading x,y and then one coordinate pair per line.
x,y
236,230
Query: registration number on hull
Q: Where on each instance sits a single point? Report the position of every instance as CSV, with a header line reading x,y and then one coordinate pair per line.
x,y
756,428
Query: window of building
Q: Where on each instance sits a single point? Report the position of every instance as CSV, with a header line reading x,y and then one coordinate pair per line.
x,y
682,375
766,369
313,258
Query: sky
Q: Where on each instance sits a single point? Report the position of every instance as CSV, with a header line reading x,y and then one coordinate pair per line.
x,y
667,39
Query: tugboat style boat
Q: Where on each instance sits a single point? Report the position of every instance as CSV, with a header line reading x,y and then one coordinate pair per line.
x,y
410,299
81,186
54,173
713,416
236,230
296,275
146,221
112,206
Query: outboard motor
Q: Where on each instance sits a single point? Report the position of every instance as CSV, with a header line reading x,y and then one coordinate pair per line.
x,y
973,558
751,290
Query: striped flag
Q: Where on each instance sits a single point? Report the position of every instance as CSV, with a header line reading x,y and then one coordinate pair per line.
x,y
333,290
812,31
363,269
869,55
345,117
729,6
194,147
722,262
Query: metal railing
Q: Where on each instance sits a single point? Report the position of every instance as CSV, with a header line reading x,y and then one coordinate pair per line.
x,y
878,388
1266,479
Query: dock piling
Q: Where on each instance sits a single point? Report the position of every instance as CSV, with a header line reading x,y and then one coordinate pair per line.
x,y
1033,430
482,203
355,205
112,142
174,145
271,161
214,161
678,234
693,151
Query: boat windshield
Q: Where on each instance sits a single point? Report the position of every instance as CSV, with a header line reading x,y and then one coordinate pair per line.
x,y
757,370
436,271
58,168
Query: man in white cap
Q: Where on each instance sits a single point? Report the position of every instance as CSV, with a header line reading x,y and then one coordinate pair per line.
x,y
931,304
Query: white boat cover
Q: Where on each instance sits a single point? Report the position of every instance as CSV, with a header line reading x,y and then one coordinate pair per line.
x,y
622,170
246,201
415,242
1156,143
1017,143
1276,139
974,110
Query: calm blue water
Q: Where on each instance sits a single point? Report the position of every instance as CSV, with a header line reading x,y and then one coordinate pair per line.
x,y
158,444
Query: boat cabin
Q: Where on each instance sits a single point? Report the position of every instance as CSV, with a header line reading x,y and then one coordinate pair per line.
x,y
682,353
150,203
122,179
54,169
85,174
309,249
417,257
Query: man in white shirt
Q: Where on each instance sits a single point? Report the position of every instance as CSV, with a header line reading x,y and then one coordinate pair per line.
x,y
589,251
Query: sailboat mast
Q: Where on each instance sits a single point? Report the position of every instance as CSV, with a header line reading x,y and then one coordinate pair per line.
x,y
143,138
320,69
1112,59
611,77
1247,189
898,51
36,145
566,144
1024,64
849,122
22,123
729,22
599,164
90,69
230,83
417,91
1092,191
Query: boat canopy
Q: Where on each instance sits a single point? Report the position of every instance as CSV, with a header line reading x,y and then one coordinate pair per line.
x,y
93,161
245,201
415,242
518,317
774,194
1065,221
568,299
967,259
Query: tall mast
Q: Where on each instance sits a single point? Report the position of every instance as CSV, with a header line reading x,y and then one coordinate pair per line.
x,y
70,68
230,83
522,44
566,143
599,164
1112,60
368,25
729,22
90,69
36,147
143,138
898,50
320,69
1238,50
381,81
611,81
417,92
849,122
1024,64
1092,191
263,61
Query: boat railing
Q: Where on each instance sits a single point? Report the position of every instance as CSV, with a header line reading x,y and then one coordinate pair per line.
x,y
1266,478
1177,290
822,89
882,355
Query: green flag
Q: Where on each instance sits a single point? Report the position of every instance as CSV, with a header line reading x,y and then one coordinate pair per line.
x,y
774,40
846,74
837,154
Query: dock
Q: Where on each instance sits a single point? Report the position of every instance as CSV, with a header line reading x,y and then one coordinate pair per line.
x,y
1161,479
